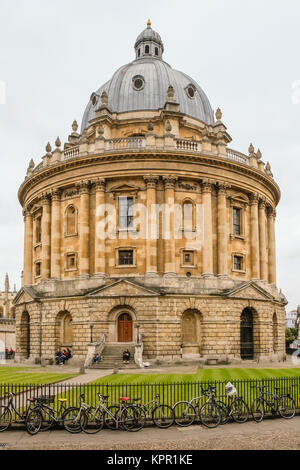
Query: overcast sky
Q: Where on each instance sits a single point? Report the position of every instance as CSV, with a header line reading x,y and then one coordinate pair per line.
x,y
244,54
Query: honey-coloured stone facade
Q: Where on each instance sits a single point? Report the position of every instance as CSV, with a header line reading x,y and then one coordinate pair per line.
x,y
192,268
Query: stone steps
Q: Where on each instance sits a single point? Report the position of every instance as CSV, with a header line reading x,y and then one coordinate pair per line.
x,y
113,356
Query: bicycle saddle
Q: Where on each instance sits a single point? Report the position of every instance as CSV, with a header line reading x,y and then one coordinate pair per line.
x,y
124,399
136,399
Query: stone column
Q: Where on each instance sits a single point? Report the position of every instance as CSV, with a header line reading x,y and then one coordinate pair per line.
x,y
168,232
46,236
84,229
222,230
255,264
207,250
152,225
28,247
271,243
263,240
56,234
100,245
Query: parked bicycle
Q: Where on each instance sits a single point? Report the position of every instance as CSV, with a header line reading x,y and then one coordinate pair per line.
x,y
42,416
160,414
276,402
7,412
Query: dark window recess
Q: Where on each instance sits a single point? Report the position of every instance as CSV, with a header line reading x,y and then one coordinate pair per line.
x,y
139,52
125,212
38,233
125,257
156,51
147,49
237,221
238,263
38,269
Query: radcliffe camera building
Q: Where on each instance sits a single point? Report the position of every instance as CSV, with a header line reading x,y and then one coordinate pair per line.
x,y
207,290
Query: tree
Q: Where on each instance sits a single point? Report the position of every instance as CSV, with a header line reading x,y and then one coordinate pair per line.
x,y
290,335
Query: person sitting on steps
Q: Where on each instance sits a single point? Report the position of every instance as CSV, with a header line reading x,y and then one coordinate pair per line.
x,y
126,356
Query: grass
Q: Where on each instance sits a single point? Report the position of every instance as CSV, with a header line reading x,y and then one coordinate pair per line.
x,y
202,375
24,376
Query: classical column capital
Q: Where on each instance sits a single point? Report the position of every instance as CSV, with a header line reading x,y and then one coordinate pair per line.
x,y
271,212
45,199
83,187
100,184
222,187
254,198
262,201
56,194
151,181
27,211
207,186
170,181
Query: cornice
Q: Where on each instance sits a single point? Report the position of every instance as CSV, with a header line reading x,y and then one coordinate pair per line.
x,y
203,158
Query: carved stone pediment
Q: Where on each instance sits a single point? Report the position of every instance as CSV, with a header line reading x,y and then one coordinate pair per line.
x,y
122,288
23,296
250,291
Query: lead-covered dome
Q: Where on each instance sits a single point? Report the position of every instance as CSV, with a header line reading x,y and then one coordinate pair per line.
x,y
143,85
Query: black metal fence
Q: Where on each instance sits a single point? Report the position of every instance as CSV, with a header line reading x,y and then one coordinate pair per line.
x,y
170,393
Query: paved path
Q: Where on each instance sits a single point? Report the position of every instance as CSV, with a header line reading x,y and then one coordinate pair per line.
x,y
271,434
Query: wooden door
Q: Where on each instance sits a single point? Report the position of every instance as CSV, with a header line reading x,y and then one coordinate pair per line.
x,y
125,328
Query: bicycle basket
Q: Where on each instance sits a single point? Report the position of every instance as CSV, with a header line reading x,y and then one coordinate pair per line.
x,y
46,398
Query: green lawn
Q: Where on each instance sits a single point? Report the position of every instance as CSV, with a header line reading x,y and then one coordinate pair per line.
x,y
26,376
202,375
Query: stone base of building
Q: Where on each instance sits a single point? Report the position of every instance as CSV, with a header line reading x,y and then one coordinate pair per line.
x,y
242,321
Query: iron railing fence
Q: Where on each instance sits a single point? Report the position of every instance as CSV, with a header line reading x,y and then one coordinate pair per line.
x,y
170,393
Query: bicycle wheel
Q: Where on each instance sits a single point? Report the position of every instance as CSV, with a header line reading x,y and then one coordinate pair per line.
x,y
73,420
223,408
184,413
34,421
257,410
210,415
92,421
133,418
163,416
5,418
112,419
47,419
240,410
287,407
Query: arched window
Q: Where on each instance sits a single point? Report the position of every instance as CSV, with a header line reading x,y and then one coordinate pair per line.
x,y
71,220
156,51
1,312
247,338
275,333
147,49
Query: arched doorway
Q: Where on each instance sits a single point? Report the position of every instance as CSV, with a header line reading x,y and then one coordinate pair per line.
x,y
247,343
125,328
25,335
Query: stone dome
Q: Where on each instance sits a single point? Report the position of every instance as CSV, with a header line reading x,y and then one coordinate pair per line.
x,y
143,85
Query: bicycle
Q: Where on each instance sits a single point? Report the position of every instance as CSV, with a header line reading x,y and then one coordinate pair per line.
x,y
6,414
237,409
162,415
210,414
282,404
42,416
186,412
92,419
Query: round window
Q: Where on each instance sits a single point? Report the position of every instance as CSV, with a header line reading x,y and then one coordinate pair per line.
x,y
190,91
138,83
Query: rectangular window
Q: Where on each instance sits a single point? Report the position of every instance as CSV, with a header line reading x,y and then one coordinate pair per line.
x,y
125,257
71,261
125,212
38,269
188,258
38,230
237,228
238,263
